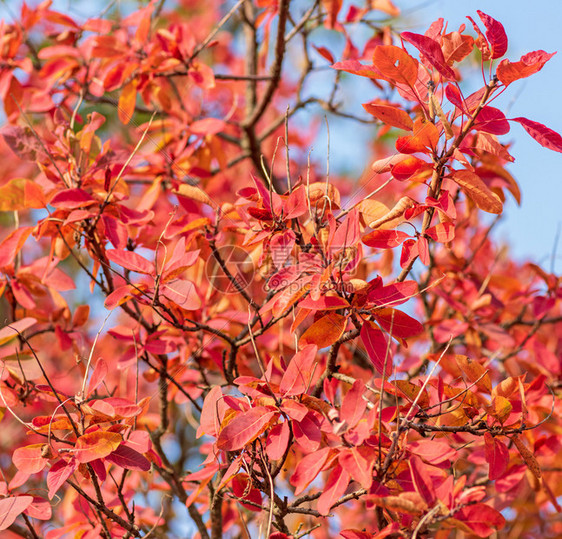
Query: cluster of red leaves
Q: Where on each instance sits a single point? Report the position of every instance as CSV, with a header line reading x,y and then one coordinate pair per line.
x,y
321,376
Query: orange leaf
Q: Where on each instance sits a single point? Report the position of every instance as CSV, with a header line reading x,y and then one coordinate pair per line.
x,y
478,191
325,331
396,64
408,167
21,194
127,100
425,137
411,392
528,457
475,372
194,192
500,408
96,445
529,64
390,115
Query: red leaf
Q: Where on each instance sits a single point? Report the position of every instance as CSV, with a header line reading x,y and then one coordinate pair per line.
x,y
71,199
543,135
11,508
390,115
40,509
278,440
408,167
242,488
117,407
333,490
98,465
511,478
481,41
442,232
454,96
355,534
497,456
307,433
211,416
529,64
491,120
128,458
60,471
353,405
422,480
384,239
22,141
425,139
347,233
183,293
432,451
495,33
308,468
298,375
139,440
131,261
244,428
98,376
28,459
393,294
12,244
294,409
353,460
377,347
325,53
296,204
119,296
324,303
432,51
207,126
481,519
397,323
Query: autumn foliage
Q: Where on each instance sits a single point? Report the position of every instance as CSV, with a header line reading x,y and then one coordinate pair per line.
x,y
206,332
